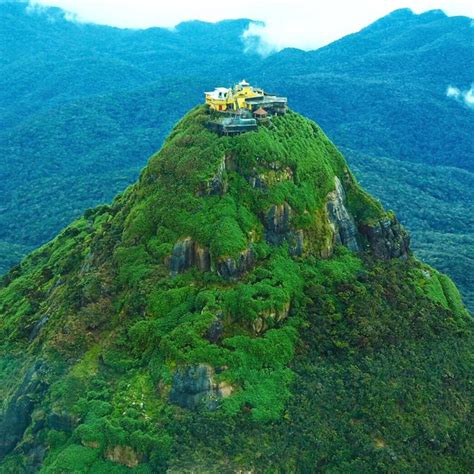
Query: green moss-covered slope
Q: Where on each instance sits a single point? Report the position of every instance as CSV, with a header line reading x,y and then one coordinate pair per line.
x,y
244,306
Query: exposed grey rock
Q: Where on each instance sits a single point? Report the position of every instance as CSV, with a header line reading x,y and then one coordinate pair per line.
x,y
387,239
277,223
227,268
230,163
269,317
57,284
342,223
231,268
256,182
182,256
186,254
202,258
296,240
37,327
16,416
245,261
218,185
194,386
216,330
61,421
278,229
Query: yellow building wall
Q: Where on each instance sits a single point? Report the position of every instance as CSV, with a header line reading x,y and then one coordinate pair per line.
x,y
244,94
235,101
217,104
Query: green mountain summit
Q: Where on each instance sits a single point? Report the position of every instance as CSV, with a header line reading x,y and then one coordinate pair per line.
x,y
245,306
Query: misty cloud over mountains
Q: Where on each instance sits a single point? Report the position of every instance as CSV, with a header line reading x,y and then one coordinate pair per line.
x,y
465,97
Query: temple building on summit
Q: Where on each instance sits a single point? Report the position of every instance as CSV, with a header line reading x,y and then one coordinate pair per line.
x,y
241,107
245,96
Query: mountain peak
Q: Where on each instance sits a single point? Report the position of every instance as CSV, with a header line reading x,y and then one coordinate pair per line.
x,y
286,188
435,13
233,289
404,13
401,16
401,13
200,26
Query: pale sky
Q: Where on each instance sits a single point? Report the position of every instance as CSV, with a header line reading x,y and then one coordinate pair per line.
x,y
303,24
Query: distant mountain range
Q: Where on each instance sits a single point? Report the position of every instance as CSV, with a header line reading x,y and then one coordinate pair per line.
x,y
83,106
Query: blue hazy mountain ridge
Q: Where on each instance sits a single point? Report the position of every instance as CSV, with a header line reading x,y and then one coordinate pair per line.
x,y
83,106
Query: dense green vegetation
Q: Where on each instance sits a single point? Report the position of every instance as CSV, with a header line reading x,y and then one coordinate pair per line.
x,y
345,363
435,208
381,95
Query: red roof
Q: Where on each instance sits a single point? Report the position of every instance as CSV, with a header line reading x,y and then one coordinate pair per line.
x,y
260,111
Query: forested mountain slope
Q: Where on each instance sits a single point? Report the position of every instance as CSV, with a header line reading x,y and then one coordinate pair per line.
x,y
244,306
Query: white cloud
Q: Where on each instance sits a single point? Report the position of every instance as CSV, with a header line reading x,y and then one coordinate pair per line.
x,y
453,92
469,98
304,24
255,39
464,97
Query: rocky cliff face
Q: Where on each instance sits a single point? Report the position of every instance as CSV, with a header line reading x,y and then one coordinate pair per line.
x,y
342,223
387,239
277,223
231,268
186,254
279,230
16,416
195,386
